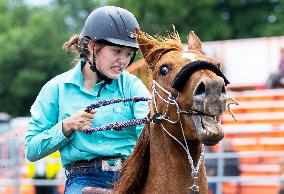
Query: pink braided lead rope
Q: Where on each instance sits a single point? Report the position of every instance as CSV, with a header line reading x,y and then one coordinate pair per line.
x,y
116,126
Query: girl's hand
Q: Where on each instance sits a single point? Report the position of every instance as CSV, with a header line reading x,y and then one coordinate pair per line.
x,y
79,121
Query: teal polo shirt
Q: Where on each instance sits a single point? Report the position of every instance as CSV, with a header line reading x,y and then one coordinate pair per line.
x,y
66,94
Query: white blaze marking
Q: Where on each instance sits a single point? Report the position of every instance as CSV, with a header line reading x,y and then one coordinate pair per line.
x,y
189,56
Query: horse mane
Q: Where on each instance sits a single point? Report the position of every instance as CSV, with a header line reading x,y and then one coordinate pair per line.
x,y
134,171
158,45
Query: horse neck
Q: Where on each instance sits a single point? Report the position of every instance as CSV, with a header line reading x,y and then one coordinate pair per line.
x,y
169,170
164,149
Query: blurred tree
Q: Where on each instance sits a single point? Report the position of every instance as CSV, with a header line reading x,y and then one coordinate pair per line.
x,y
31,53
76,11
210,19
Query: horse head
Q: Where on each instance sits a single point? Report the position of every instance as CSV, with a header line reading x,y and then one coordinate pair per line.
x,y
187,86
188,99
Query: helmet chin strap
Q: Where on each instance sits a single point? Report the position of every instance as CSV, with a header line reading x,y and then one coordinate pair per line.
x,y
100,75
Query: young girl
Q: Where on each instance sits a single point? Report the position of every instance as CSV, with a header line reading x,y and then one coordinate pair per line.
x,y
106,46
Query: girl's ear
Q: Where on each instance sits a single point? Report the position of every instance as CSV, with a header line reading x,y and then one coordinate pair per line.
x,y
91,45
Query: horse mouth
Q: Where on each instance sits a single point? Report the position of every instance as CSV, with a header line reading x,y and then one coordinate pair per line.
x,y
209,129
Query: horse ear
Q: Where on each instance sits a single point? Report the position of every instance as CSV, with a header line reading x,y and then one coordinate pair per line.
x,y
146,44
153,49
193,42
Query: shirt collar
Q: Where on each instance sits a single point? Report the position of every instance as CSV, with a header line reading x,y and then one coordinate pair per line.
x,y
113,86
75,75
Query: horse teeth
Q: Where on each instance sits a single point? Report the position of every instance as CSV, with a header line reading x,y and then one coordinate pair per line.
x,y
215,119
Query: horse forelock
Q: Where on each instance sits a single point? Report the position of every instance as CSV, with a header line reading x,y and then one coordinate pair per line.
x,y
156,47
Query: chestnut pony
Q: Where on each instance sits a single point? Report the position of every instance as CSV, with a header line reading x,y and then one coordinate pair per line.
x,y
188,98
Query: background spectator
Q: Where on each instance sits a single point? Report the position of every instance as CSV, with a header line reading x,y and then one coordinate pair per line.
x,y
231,165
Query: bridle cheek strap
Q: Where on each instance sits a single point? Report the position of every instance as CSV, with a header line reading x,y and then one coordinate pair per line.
x,y
185,73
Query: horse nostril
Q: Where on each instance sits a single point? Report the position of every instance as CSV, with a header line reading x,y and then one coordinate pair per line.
x,y
200,89
223,89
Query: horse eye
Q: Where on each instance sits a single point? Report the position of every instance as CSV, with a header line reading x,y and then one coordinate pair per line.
x,y
164,70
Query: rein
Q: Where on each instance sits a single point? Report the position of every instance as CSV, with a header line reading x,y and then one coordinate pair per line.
x,y
117,126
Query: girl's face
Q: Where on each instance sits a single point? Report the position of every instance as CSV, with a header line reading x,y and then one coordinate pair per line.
x,y
112,60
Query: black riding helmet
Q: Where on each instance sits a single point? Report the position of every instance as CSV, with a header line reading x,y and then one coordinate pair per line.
x,y
112,26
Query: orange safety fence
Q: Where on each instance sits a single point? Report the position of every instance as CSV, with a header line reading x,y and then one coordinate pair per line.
x,y
260,122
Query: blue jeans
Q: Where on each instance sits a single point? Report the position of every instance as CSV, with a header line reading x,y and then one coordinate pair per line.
x,y
82,177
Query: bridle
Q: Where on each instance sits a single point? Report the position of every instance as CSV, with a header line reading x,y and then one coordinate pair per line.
x,y
159,118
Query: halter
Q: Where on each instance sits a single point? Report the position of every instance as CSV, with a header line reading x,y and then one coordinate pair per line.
x,y
160,117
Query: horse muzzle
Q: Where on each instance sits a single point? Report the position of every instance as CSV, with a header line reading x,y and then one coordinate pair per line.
x,y
209,100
